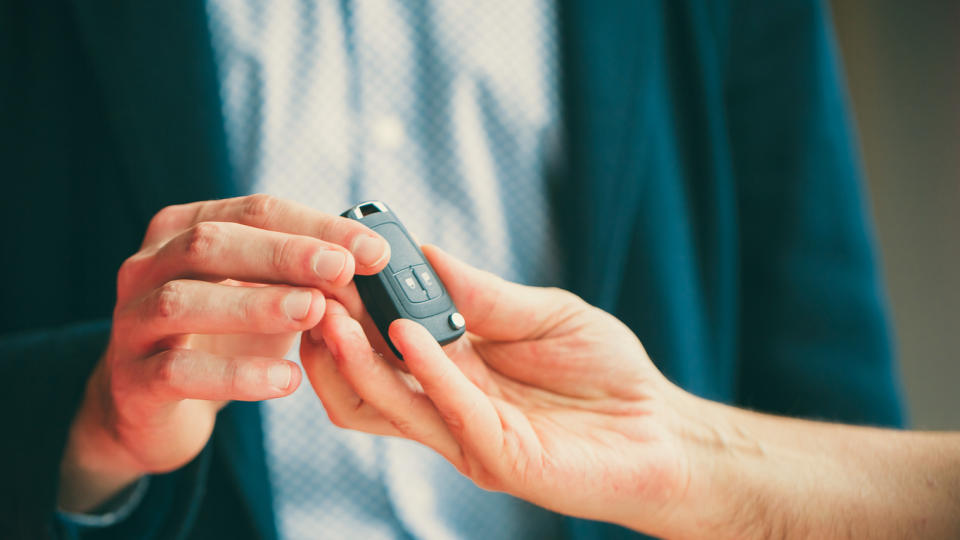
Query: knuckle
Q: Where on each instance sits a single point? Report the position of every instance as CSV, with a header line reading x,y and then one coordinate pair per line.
x,y
128,274
563,295
169,300
337,418
346,413
170,364
239,377
484,479
264,307
272,305
249,306
455,422
127,267
165,218
566,306
294,256
201,240
337,228
402,425
284,254
259,207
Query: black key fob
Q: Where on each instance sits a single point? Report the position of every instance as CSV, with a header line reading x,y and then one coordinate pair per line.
x,y
408,287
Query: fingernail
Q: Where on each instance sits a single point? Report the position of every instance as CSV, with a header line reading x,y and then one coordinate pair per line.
x,y
329,264
297,305
279,376
368,250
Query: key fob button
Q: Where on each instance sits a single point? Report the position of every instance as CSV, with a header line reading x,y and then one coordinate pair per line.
x,y
428,281
456,321
410,286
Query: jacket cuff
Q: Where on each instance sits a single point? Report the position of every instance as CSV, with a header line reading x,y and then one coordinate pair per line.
x,y
111,513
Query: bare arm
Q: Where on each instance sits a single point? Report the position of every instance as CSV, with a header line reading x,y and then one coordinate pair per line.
x,y
556,402
767,476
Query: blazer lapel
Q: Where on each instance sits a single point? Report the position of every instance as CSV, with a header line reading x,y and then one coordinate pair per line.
x,y
609,52
155,63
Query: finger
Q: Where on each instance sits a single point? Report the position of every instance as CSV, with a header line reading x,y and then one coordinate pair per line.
x,y
261,211
350,299
382,386
343,406
218,250
199,307
495,308
465,409
176,374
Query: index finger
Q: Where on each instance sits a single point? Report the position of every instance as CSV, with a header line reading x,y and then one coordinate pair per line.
x,y
369,249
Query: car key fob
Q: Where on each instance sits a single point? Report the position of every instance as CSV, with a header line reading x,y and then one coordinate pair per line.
x,y
408,287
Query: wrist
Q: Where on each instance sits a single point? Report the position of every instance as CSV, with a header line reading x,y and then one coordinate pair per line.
x,y
94,466
758,476
727,467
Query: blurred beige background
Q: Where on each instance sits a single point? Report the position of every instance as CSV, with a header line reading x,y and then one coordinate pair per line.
x,y
903,67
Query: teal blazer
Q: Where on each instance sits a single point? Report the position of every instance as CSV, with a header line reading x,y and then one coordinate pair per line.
x,y
712,201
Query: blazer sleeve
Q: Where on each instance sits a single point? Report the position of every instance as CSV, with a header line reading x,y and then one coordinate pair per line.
x,y
45,373
815,339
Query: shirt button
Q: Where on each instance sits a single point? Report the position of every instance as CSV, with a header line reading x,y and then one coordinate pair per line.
x,y
388,133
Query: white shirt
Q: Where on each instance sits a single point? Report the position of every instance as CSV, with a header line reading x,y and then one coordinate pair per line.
x,y
448,111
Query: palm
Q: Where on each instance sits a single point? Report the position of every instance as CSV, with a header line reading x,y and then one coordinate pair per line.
x,y
554,432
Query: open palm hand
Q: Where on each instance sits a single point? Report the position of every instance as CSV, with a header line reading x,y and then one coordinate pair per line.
x,y
546,397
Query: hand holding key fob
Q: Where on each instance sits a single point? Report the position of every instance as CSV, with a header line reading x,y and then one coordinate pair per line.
x,y
408,287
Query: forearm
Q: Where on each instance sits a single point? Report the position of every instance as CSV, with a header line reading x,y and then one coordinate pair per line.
x,y
758,476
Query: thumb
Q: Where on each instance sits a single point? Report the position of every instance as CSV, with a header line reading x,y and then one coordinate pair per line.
x,y
465,409
495,308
